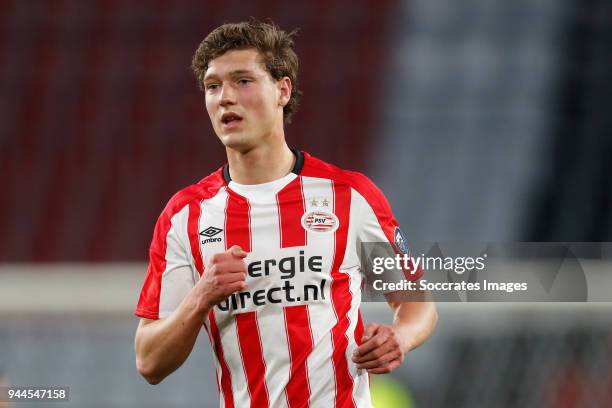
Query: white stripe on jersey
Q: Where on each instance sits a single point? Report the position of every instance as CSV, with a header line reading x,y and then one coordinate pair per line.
x,y
177,278
350,265
270,321
213,215
320,366
231,349
276,355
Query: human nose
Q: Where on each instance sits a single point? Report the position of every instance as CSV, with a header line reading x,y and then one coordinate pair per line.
x,y
228,96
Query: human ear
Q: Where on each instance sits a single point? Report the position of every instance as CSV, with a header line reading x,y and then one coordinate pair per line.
x,y
284,87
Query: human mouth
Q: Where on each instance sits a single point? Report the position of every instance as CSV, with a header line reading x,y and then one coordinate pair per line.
x,y
230,120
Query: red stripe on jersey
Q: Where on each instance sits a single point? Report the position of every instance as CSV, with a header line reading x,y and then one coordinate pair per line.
x,y
237,221
148,303
194,237
252,358
291,208
212,346
359,328
226,379
299,338
341,299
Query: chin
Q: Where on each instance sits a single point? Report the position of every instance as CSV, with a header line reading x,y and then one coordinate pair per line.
x,y
236,141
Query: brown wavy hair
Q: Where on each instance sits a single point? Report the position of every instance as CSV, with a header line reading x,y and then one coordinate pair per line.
x,y
274,45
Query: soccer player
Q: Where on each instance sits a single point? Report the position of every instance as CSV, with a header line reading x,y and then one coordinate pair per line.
x,y
264,251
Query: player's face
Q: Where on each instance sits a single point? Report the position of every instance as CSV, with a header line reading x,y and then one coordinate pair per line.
x,y
244,102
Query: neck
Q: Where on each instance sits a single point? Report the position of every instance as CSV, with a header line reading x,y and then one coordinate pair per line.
x,y
261,164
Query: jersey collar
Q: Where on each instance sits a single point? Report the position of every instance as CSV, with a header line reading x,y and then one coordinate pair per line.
x,y
297,167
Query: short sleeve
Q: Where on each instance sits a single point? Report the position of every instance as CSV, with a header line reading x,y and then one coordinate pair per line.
x,y
378,227
170,274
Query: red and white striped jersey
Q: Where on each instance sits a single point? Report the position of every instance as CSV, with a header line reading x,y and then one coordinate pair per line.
x,y
287,339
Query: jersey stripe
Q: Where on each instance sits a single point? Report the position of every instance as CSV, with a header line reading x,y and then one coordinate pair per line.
x,y
321,377
213,215
192,230
217,365
237,221
299,336
249,340
226,381
341,299
359,329
148,304
290,211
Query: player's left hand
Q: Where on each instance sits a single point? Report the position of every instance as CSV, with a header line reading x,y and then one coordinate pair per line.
x,y
381,349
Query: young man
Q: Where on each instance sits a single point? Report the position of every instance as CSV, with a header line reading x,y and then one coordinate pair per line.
x,y
263,252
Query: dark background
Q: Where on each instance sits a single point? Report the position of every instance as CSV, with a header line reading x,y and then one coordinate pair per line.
x,y
102,121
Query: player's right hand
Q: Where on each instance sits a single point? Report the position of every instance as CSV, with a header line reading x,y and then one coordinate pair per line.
x,y
224,275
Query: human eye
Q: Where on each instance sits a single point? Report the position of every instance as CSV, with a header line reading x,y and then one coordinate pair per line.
x,y
211,86
244,81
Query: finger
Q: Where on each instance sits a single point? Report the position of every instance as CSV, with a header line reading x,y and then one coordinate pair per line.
x,y
231,278
231,266
236,266
369,331
387,347
236,286
236,251
228,290
392,365
218,258
371,344
380,361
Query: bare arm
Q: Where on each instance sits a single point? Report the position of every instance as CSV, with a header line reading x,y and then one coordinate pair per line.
x,y
385,346
163,345
415,320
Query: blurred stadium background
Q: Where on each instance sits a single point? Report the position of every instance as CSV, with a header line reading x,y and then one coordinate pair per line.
x,y
481,120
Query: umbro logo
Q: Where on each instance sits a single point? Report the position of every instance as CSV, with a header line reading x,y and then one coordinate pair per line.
x,y
210,232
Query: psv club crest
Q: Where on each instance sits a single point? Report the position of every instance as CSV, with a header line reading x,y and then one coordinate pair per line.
x,y
320,221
